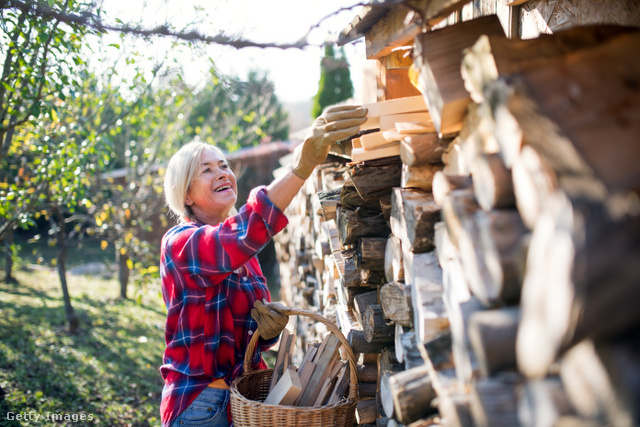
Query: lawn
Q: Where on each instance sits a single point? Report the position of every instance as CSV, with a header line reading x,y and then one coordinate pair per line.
x,y
107,374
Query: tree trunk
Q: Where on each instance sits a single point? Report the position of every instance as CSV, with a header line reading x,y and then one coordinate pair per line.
x,y
123,273
72,317
8,259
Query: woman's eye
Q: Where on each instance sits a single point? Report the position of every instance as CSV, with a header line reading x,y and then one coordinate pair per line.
x,y
224,166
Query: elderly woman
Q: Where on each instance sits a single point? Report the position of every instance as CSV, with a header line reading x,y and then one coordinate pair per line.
x,y
212,284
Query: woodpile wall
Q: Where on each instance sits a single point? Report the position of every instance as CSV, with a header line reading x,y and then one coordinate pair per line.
x,y
499,285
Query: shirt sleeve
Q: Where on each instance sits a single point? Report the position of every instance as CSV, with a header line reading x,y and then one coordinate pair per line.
x,y
214,251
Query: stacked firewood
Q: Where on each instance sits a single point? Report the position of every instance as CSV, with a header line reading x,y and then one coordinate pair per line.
x,y
486,276
540,222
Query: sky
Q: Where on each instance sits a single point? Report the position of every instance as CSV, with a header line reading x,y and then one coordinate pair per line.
x,y
295,72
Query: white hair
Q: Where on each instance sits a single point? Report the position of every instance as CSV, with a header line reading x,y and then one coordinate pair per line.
x,y
182,169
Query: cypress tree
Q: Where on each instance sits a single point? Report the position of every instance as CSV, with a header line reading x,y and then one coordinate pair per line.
x,y
335,81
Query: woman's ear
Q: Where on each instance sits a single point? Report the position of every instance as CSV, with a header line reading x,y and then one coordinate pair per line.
x,y
188,201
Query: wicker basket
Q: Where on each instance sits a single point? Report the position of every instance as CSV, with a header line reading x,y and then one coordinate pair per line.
x,y
249,390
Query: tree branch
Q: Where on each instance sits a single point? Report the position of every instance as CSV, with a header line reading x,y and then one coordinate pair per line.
x,y
95,22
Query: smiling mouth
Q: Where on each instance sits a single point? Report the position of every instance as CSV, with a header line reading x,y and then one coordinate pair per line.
x,y
223,188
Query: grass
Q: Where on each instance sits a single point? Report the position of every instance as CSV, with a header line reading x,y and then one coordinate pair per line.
x,y
109,370
78,252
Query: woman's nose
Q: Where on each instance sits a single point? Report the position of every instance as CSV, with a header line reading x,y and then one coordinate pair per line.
x,y
222,174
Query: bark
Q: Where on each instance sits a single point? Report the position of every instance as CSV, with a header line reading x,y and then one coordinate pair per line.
x,y
72,317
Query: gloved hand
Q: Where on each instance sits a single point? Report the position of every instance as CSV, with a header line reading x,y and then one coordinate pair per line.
x,y
270,321
334,124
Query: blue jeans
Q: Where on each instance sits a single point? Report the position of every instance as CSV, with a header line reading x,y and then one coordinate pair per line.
x,y
209,409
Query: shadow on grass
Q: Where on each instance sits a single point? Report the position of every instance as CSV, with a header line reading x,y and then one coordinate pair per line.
x,y
106,369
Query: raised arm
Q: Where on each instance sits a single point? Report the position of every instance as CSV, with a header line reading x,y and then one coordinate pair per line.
x,y
334,124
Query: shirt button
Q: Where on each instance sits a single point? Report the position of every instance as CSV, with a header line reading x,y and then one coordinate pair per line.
x,y
250,333
245,278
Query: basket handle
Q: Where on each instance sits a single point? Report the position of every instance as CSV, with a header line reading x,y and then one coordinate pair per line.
x,y
353,375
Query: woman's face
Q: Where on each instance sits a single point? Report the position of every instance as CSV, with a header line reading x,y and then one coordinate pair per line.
x,y
213,192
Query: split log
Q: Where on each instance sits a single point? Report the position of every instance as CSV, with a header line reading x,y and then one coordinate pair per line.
x,y
543,402
361,302
360,345
350,294
439,351
492,335
419,177
387,366
438,55
366,411
354,224
570,138
322,248
328,201
582,281
410,393
287,389
425,277
324,361
453,160
459,313
347,270
490,252
395,300
342,384
393,268
371,253
588,385
350,198
458,204
621,359
497,56
374,326
413,215
533,182
406,348
374,178
331,176
455,407
492,182
385,207
367,389
422,149
367,373
443,183
372,277
494,401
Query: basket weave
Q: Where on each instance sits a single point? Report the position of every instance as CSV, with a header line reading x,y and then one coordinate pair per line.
x,y
249,390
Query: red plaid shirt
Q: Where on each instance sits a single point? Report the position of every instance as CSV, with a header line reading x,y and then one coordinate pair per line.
x,y
210,279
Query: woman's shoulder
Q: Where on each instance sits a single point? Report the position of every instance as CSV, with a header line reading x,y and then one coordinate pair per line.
x,y
179,229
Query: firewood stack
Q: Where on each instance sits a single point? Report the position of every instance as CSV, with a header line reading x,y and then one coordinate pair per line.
x,y
488,275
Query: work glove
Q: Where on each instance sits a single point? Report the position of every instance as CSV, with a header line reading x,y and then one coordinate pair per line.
x,y
270,321
334,124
